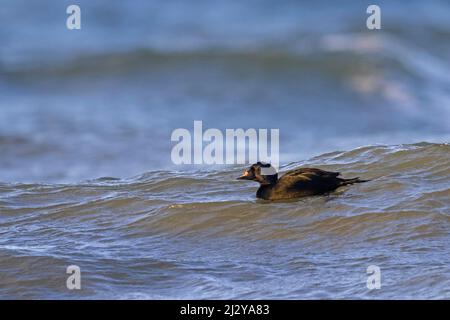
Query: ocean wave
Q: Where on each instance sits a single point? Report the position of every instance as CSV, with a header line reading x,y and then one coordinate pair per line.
x,y
175,200
335,54
122,226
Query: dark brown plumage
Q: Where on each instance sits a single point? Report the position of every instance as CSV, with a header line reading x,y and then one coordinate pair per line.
x,y
295,183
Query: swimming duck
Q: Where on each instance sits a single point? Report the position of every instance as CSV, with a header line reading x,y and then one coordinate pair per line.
x,y
295,183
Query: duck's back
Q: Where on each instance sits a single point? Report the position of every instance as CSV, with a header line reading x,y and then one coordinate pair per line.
x,y
305,182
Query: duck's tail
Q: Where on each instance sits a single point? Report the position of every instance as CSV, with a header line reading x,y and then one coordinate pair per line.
x,y
345,182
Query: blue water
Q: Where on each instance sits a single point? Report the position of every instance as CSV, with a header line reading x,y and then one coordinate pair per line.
x,y
76,104
102,102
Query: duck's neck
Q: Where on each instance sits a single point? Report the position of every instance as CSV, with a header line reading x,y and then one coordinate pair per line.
x,y
264,191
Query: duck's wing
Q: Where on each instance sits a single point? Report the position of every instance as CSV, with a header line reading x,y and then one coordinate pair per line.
x,y
309,173
310,180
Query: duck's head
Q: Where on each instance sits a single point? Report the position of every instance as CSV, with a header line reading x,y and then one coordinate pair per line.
x,y
260,172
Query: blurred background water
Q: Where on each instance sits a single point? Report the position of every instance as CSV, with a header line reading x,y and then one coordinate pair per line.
x,y
103,101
